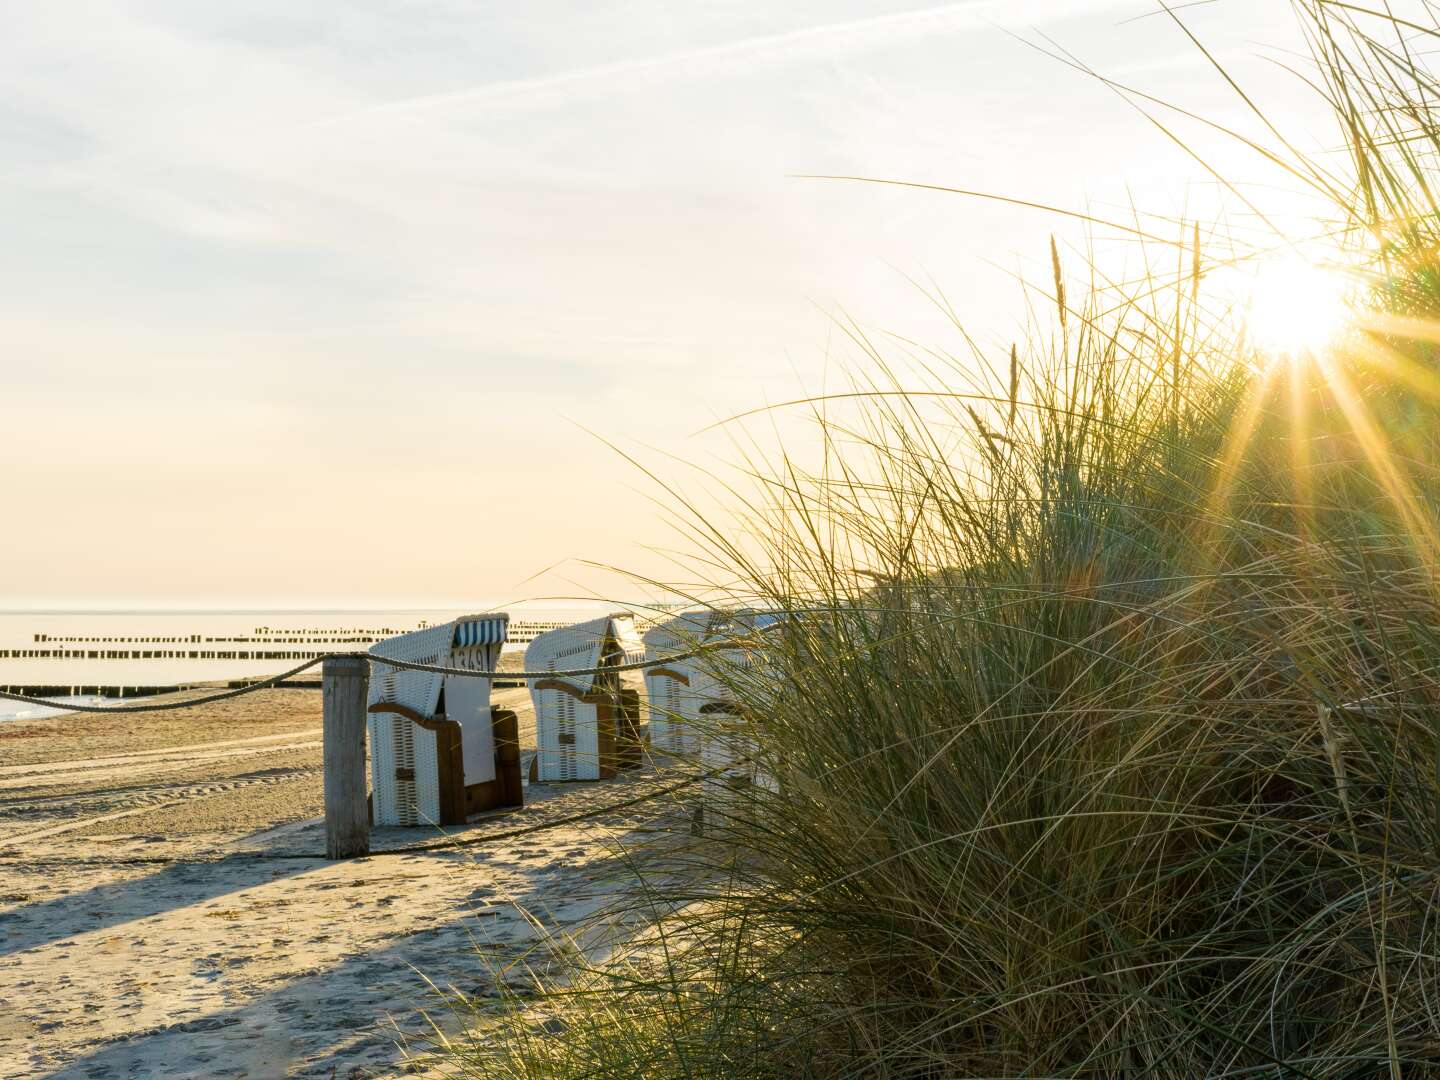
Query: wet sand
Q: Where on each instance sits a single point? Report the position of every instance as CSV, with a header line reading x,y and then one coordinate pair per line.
x,y
164,911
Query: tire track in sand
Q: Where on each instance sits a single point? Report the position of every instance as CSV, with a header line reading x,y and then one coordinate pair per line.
x,y
141,771
217,787
198,752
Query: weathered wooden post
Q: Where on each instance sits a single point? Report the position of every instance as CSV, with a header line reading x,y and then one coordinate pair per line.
x,y
347,815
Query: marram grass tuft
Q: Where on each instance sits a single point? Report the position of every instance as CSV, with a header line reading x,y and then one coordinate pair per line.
x,y
1103,737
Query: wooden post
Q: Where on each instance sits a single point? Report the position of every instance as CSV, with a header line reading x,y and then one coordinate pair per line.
x,y
347,815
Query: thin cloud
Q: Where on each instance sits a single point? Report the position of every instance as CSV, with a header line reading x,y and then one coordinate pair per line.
x,y
867,34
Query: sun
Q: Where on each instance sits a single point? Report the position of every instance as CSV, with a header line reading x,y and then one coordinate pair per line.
x,y
1296,307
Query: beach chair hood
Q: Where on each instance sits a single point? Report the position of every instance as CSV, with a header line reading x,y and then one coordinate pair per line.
x,y
584,646
474,643
681,633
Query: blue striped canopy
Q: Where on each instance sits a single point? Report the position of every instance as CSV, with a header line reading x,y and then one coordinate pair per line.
x,y
481,631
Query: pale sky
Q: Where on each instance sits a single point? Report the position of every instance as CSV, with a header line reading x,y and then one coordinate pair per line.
x,y
327,303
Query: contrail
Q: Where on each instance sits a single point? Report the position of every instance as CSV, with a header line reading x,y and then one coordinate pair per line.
x,y
855,35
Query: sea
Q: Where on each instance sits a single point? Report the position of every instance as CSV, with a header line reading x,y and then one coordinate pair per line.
x,y
120,651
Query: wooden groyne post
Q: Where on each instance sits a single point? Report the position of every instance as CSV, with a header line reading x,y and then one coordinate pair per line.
x,y
347,815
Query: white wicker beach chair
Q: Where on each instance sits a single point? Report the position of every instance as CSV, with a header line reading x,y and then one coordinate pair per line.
x,y
726,746
671,705
414,716
588,727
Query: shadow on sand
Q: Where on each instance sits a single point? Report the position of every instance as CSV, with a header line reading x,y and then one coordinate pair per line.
x,y
348,1018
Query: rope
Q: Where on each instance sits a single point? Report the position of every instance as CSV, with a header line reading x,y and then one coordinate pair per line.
x,y
165,706
407,665
528,676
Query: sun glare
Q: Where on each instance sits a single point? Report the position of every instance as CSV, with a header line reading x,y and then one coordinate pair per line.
x,y
1296,307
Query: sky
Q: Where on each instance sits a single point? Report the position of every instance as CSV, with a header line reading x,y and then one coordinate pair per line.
x,y
380,303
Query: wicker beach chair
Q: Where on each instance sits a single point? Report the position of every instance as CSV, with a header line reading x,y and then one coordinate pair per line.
x,y
725,740
588,727
671,706
438,751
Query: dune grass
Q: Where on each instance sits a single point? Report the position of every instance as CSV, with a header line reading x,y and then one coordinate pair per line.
x,y
1105,734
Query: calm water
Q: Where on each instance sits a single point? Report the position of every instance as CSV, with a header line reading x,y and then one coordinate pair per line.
x,y
193,646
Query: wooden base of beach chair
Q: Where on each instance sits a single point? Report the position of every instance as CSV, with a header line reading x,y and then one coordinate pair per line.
x,y
621,744
629,741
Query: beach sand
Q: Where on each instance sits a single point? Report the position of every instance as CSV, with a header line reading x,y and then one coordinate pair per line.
x,y
164,910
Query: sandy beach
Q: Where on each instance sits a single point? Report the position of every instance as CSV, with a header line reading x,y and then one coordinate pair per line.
x,y
164,910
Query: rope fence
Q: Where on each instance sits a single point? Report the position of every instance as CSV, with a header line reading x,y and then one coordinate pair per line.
x,y
166,706
527,676
347,822
406,665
